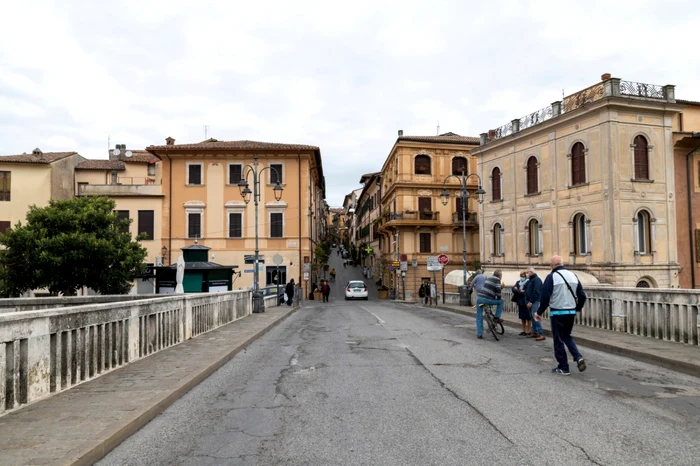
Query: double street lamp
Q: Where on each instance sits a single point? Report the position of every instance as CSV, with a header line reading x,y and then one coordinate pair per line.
x,y
464,197
258,299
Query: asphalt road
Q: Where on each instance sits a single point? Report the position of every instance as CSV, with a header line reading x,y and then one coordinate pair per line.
x,y
391,384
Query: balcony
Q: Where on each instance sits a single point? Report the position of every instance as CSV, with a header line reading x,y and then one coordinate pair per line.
x,y
411,218
120,189
471,219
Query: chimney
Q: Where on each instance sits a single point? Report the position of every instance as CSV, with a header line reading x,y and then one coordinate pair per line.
x,y
38,153
400,132
605,76
119,152
169,141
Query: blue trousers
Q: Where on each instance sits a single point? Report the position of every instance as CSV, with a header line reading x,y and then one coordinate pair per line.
x,y
561,334
480,312
536,324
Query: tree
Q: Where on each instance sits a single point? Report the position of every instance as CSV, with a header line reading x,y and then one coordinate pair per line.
x,y
70,244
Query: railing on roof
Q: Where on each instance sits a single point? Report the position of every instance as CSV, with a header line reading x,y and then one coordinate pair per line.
x,y
648,91
535,118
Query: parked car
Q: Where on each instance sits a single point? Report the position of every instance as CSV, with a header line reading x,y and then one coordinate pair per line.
x,y
356,289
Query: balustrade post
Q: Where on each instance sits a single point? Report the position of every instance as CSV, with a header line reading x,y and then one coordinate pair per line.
x,y
619,313
483,138
516,125
186,306
670,93
133,332
556,108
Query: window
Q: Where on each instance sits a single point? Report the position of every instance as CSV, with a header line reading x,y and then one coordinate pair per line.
x,y
496,184
643,232
497,240
422,165
4,226
146,223
578,164
459,209
425,242
5,186
235,225
115,178
532,185
276,173
123,215
194,174
272,277
580,235
276,225
235,173
643,284
425,208
194,225
534,237
459,166
641,158
151,169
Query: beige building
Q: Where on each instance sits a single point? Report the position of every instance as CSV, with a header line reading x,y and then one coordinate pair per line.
x,y
590,178
414,223
34,179
204,203
368,215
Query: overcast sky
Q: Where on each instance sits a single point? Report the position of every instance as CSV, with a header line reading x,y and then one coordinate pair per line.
x,y
341,75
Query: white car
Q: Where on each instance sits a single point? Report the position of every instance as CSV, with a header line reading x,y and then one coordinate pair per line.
x,y
356,289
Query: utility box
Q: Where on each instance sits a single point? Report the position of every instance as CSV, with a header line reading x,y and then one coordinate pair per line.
x,y
464,296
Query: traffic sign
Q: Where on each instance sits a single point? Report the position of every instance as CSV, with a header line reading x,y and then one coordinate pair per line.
x,y
443,259
404,266
306,276
433,264
395,264
414,262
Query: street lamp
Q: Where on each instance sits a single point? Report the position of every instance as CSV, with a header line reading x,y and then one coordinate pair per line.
x,y
464,196
258,300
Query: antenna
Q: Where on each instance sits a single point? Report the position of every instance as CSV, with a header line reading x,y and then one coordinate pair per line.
x,y
109,138
438,127
206,131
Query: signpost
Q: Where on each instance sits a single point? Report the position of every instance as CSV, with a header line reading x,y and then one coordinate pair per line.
x,y
433,264
443,260
277,260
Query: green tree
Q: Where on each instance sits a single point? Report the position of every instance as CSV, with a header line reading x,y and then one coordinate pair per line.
x,y
70,244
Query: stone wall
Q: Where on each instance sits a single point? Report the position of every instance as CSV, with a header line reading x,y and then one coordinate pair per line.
x,y
33,304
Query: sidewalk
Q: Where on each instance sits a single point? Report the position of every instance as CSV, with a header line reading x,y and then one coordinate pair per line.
x,y
676,356
81,425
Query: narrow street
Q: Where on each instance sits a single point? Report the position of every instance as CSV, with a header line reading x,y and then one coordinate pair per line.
x,y
383,383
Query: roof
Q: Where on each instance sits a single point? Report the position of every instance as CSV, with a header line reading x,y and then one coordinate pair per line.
x,y
101,165
202,266
40,158
451,138
195,247
687,102
369,176
232,145
139,156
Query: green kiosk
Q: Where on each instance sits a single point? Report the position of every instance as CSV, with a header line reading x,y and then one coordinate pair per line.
x,y
201,276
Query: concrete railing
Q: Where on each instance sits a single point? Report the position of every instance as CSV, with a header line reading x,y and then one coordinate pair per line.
x,y
52,302
664,314
47,351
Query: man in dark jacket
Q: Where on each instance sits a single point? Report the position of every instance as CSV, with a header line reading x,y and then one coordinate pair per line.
x,y
563,294
289,290
533,289
325,291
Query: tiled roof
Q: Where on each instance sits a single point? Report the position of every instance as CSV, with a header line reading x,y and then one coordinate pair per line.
x,y
234,145
687,102
43,158
451,138
142,156
101,165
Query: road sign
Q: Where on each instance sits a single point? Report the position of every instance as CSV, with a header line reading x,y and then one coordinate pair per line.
x,y
277,259
434,264
414,262
306,276
250,258
391,268
403,257
443,259
396,264
249,271
404,266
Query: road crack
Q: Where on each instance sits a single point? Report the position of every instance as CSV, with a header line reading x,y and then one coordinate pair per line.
x,y
582,450
456,395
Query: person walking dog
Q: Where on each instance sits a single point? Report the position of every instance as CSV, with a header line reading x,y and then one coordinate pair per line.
x,y
563,294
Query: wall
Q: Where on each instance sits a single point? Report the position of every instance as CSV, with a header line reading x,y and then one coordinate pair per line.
x,y
34,304
30,185
133,205
63,177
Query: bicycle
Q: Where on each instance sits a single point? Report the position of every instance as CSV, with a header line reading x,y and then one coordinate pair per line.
x,y
332,278
496,328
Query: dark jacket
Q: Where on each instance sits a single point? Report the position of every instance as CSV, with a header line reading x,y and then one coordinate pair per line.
x,y
289,290
326,288
533,289
557,294
520,296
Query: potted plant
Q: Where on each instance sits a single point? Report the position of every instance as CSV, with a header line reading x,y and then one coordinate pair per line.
x,y
383,291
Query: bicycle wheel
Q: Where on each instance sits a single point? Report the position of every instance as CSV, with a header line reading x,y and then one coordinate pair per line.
x,y
499,328
490,323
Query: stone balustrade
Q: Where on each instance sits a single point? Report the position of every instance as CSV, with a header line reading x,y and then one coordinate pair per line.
x,y
51,302
43,352
665,314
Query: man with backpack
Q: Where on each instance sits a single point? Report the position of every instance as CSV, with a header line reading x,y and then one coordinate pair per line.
x,y
563,294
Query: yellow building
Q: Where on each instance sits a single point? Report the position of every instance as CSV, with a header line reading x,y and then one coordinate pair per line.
x,y
34,179
204,202
368,214
590,178
414,221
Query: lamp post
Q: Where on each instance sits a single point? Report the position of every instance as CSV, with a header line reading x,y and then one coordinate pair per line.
x,y
258,300
464,196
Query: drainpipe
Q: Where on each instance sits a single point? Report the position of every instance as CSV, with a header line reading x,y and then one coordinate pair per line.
x,y
170,207
690,210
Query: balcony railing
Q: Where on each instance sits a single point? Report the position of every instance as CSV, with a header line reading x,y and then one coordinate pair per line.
x,y
120,190
471,218
409,217
136,180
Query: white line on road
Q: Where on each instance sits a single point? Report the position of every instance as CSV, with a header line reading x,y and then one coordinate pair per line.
x,y
375,315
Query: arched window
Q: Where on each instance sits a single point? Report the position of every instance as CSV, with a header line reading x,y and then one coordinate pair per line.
x,y
532,184
578,164
422,165
459,166
641,158
497,240
643,284
580,235
643,232
534,237
496,184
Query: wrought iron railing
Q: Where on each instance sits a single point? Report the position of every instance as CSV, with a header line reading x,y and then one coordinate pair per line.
x,y
470,218
649,91
535,118
503,131
583,98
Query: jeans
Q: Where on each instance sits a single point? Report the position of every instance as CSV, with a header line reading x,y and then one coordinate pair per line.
x,y
561,334
536,324
480,312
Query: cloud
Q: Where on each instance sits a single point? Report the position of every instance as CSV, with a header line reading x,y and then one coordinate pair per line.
x,y
344,77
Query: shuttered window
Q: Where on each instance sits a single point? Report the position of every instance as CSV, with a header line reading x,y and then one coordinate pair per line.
x,y
459,166
641,158
425,206
235,225
194,174
146,223
578,164
425,242
496,184
235,173
422,165
123,215
276,225
532,184
276,173
5,186
194,225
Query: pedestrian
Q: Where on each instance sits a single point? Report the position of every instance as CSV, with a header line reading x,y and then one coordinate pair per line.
x,y
421,292
289,291
558,294
477,282
519,299
533,289
489,295
325,291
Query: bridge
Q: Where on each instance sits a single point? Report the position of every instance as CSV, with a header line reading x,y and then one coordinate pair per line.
x,y
198,379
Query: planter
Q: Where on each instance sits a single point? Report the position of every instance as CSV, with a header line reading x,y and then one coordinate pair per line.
x,y
318,296
383,294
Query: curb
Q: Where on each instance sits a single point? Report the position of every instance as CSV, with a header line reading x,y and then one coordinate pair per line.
x,y
101,448
681,366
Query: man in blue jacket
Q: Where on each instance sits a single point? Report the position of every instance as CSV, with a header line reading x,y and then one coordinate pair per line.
x,y
533,289
563,294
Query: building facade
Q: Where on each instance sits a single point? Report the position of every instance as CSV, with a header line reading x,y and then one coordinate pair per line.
x,y
590,178
369,217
